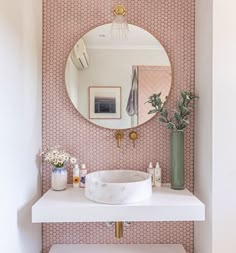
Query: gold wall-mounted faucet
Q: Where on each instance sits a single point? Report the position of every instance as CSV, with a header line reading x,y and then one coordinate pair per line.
x,y
119,135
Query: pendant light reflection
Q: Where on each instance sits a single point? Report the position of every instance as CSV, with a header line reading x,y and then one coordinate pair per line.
x,y
119,28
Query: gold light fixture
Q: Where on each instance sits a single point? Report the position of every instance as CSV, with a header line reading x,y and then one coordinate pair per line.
x,y
119,28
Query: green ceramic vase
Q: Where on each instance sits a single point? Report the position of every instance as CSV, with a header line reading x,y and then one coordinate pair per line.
x,y
177,160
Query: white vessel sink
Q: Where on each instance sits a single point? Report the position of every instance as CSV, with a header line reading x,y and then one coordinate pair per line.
x,y
118,186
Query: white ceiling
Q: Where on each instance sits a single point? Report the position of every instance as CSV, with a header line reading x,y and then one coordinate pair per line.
x,y
100,38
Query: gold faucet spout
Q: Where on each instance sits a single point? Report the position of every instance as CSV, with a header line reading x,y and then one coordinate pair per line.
x,y
119,135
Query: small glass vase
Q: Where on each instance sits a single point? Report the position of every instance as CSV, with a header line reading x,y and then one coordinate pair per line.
x,y
59,179
177,160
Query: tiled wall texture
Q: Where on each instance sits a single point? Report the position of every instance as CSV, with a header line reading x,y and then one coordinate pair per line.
x,y
65,21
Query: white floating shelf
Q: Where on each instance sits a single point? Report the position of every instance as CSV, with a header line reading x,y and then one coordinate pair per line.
x,y
118,248
72,206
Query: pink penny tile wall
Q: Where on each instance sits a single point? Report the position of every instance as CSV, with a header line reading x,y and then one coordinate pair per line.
x,y
65,21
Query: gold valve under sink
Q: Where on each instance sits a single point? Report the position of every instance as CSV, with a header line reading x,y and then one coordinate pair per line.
x,y
118,230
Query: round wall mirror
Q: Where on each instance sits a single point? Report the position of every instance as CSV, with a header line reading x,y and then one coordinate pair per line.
x,y
109,80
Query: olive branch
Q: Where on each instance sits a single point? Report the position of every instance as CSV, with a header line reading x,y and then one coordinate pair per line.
x,y
179,119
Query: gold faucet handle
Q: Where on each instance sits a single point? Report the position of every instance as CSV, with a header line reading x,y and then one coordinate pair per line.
x,y
119,10
133,135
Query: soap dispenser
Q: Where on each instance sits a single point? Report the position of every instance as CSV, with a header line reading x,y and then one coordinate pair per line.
x,y
76,176
151,171
83,174
157,175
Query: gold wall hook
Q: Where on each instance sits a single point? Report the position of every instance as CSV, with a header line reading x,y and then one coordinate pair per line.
x,y
119,10
119,135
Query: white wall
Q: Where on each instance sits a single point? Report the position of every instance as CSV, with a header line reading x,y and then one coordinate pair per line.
x,y
224,127
215,170
20,127
203,124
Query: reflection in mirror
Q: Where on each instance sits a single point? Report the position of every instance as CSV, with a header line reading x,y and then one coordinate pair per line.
x,y
109,81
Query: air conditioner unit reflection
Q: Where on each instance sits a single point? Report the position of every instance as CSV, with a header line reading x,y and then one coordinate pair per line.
x,y
79,55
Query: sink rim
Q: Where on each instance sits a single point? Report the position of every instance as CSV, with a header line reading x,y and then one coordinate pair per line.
x,y
146,175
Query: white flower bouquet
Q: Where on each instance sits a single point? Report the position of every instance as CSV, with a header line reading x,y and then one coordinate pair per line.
x,y
57,157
